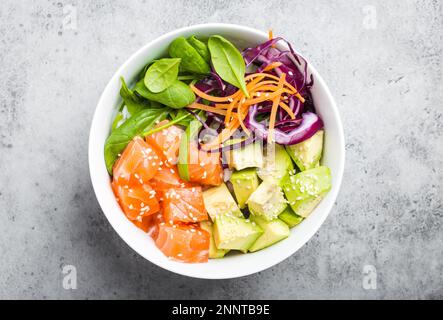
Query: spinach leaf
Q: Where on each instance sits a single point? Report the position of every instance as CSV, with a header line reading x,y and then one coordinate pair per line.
x,y
161,74
228,62
119,138
190,77
181,117
133,102
177,95
200,47
191,60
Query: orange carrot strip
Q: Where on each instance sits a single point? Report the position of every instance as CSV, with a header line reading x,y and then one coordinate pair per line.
x,y
240,116
204,107
263,97
275,104
271,66
287,109
231,108
212,98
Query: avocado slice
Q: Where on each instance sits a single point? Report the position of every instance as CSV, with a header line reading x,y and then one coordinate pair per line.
x,y
267,201
244,182
306,189
307,154
235,233
274,231
218,200
183,154
277,164
249,156
289,217
214,253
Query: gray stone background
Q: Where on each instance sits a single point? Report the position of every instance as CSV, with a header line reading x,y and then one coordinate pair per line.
x,y
384,70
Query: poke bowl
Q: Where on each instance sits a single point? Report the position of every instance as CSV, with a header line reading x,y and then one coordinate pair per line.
x,y
162,104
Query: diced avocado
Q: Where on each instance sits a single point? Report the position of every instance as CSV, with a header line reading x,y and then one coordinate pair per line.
x,y
307,154
183,155
277,164
267,201
218,200
214,253
235,233
289,217
274,231
250,156
306,189
244,182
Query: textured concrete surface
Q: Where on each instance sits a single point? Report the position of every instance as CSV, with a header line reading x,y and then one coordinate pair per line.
x,y
383,62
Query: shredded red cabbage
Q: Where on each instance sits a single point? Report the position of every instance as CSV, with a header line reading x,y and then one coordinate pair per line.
x,y
309,125
287,131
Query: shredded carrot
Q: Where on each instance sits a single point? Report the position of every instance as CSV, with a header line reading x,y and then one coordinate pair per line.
x,y
204,107
240,116
287,109
272,65
271,36
260,87
212,98
275,103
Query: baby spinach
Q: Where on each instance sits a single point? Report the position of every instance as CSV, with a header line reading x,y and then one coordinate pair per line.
x,y
228,62
177,95
133,102
191,60
161,74
119,138
200,47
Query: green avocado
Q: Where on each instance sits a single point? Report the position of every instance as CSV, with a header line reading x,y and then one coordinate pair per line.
x,y
250,156
307,154
274,231
244,182
185,142
306,189
277,164
289,217
218,200
267,201
214,253
233,233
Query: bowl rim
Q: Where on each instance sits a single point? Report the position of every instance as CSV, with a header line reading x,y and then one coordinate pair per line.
x,y
98,185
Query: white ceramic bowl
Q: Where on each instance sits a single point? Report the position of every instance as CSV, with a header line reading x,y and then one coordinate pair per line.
x,y
230,266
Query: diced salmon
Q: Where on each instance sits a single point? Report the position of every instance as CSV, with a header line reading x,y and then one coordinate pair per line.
x,y
136,201
184,243
204,167
149,224
184,205
166,178
167,141
138,163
